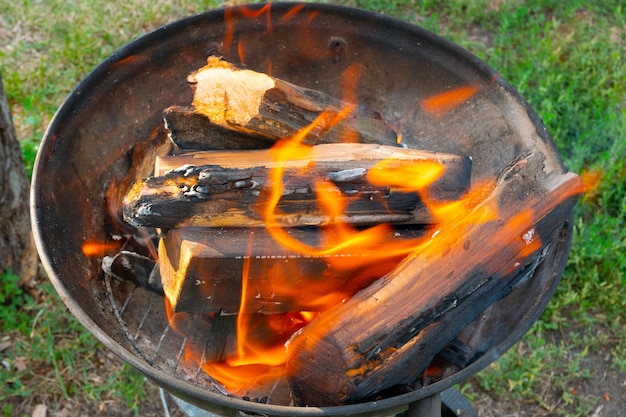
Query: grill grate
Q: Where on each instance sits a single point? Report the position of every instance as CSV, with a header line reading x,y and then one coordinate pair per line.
x,y
141,315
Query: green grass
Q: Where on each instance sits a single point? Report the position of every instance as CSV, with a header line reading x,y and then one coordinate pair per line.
x,y
51,45
568,60
50,356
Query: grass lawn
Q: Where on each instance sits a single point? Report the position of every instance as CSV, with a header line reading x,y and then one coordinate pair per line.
x,y
568,59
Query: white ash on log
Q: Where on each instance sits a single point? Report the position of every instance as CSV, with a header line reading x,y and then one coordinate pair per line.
x,y
229,188
256,104
202,270
388,333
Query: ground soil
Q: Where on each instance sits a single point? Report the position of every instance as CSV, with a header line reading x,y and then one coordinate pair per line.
x,y
606,393
606,390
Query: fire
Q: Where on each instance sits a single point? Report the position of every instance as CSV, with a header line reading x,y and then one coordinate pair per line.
x,y
440,104
230,20
98,249
357,256
237,46
591,180
407,177
368,253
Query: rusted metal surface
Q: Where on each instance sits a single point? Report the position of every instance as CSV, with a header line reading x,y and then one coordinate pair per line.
x,y
114,117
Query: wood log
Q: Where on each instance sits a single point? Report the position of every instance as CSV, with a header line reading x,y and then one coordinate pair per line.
x,y
256,104
229,189
131,266
189,129
388,333
202,270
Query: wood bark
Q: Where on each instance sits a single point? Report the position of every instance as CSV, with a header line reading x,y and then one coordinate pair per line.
x,y
256,104
17,251
388,333
189,129
229,189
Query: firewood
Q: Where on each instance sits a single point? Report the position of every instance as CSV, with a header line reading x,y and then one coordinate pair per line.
x,y
189,129
228,189
256,104
131,266
388,333
202,270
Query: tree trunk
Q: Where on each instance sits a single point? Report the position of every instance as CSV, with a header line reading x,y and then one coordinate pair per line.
x,y
17,251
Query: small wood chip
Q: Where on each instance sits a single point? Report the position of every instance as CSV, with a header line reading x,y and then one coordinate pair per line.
x,y
41,410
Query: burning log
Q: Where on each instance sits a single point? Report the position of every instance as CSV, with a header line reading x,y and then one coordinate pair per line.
x,y
202,270
228,189
256,104
447,282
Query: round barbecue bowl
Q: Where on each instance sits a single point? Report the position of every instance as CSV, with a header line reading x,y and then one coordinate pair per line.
x,y
116,110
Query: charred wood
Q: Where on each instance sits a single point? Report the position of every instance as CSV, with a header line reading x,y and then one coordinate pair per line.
x,y
447,283
229,189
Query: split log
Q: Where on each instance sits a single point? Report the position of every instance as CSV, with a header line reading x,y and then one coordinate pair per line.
x,y
256,104
388,333
189,129
202,270
229,189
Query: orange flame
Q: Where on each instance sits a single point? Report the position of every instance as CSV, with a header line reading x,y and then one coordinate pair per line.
x,y
440,104
293,12
406,176
98,249
366,254
591,180
227,42
248,13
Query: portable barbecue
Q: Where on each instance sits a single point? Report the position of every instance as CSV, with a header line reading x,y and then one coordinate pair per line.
x,y
479,264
